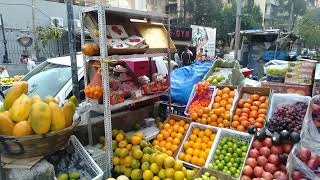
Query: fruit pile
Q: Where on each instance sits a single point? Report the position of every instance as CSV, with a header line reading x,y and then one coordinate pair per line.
x,y
288,117
251,111
310,159
93,92
229,156
23,115
266,160
136,158
222,106
201,99
170,136
197,148
207,176
315,108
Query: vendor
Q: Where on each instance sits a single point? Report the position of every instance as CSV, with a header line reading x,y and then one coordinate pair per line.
x,y
200,54
3,72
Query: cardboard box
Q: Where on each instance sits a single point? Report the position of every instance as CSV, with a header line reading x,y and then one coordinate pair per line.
x,y
300,64
297,81
302,70
300,75
288,88
316,84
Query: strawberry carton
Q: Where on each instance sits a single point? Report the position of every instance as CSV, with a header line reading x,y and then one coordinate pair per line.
x,y
117,31
134,41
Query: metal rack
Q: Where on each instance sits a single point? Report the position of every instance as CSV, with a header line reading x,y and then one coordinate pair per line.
x,y
104,58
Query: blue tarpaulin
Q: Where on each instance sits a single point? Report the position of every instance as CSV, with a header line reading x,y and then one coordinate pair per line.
x,y
271,55
184,78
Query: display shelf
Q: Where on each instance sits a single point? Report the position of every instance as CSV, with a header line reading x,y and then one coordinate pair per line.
x,y
126,56
94,106
131,13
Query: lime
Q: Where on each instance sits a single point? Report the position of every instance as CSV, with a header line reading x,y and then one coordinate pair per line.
x,y
229,173
223,152
215,167
238,160
236,175
244,148
220,166
221,157
229,164
234,146
243,154
235,155
235,165
230,150
232,160
227,159
218,152
239,151
222,162
225,147
225,168
243,143
230,144
233,170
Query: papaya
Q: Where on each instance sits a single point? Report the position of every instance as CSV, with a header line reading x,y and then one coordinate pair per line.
x,y
68,110
6,125
14,93
19,111
36,98
40,117
22,128
57,117
74,100
7,114
50,99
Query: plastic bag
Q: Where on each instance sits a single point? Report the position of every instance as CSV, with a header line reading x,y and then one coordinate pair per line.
x,y
276,68
295,164
94,89
309,129
184,78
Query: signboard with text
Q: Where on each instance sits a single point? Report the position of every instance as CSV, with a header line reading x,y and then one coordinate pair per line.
x,y
181,33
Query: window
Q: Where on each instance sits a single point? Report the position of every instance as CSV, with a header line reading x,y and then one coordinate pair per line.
x,y
48,80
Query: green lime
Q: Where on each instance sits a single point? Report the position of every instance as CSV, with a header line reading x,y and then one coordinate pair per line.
x,y
230,150
229,173
243,154
234,146
235,165
239,151
219,148
220,166
222,162
235,155
244,148
226,168
244,143
232,160
230,144
233,170
229,155
224,152
221,157
227,159
229,164
218,152
225,147
215,167
238,171
238,160
236,175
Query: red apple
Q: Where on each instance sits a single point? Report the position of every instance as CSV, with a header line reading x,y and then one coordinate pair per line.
x,y
271,168
312,164
254,153
273,159
267,142
251,162
248,170
304,154
244,177
297,175
267,176
262,160
257,171
276,150
265,151
257,144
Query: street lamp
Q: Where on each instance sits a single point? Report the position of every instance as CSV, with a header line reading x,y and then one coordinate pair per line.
x,y
5,56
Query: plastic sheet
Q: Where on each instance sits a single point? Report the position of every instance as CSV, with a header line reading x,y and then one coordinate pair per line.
x,y
276,68
183,79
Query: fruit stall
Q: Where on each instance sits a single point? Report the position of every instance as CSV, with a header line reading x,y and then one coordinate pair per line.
x,y
229,129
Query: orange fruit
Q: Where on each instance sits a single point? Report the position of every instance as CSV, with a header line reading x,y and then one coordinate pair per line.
x,y
244,114
263,106
169,139
193,137
251,121
195,131
205,116
174,148
217,99
240,103
214,124
168,145
179,136
196,152
175,128
262,115
207,151
227,116
201,162
181,130
194,116
169,153
206,110
253,114
186,145
243,118
220,125
231,94
246,110
223,103
173,134
155,143
226,90
194,160
166,126
176,141
204,121
201,134
219,92
254,108
212,137
187,158
159,137
204,146
196,145
171,122
203,155
220,120
260,120
225,97
259,125
256,103
199,140
241,128
262,99
207,132
262,111
230,101
205,139
214,117
182,123
235,124
245,124
218,111
182,156
189,151
200,112
226,123
186,126
235,118
254,97
238,111
215,105
209,144
198,120
228,107
247,105
162,144
248,101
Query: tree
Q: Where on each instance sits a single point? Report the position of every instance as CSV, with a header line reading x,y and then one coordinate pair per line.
x,y
309,28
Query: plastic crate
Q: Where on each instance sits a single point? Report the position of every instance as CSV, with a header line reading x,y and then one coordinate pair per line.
x,y
99,156
177,109
79,149
225,133
187,136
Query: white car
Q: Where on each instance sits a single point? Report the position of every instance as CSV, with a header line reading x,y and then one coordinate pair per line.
x,y
53,78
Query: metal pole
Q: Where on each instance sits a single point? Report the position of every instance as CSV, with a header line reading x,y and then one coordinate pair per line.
x,y
36,45
237,32
291,16
5,56
169,63
72,48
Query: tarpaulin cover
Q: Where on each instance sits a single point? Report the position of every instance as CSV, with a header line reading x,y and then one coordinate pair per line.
x,y
271,55
184,78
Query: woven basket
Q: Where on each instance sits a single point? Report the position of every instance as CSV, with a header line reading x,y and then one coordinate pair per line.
x,y
36,145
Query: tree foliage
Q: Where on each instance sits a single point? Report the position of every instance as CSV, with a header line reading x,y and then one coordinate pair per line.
x,y
309,28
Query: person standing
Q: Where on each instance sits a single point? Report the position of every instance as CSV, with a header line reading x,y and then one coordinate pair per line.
x,y
177,59
3,72
186,56
200,54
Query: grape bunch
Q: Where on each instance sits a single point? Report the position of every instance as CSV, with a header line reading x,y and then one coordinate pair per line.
x,y
288,117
